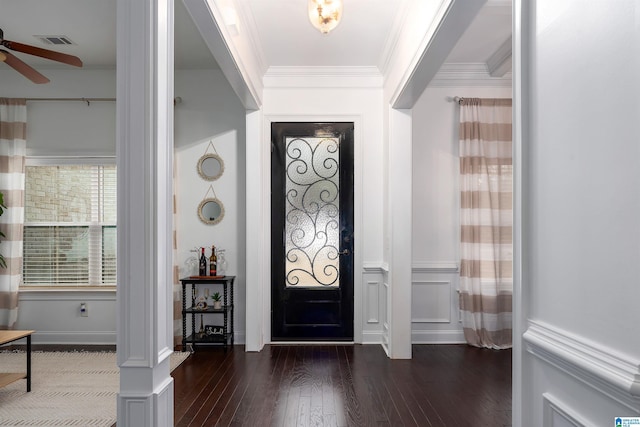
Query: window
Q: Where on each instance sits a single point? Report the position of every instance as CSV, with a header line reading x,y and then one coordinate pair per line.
x,y
70,225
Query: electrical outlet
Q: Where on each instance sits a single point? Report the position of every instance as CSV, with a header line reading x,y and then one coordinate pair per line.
x,y
84,312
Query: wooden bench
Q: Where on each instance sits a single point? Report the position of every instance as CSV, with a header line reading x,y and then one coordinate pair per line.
x,y
9,377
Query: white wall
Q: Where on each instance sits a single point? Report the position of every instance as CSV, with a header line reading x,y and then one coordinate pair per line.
x,y
58,128
581,189
211,112
327,99
63,128
209,109
436,220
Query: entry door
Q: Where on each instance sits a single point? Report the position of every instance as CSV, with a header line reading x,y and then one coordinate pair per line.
x,y
312,231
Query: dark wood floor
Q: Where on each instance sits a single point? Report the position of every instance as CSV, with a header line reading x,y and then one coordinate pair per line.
x,y
443,385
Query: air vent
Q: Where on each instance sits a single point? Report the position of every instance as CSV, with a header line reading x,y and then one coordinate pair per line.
x,y
59,40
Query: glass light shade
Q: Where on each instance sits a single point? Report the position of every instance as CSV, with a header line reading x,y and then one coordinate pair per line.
x,y
325,14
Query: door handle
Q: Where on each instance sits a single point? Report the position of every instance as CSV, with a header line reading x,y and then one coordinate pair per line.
x,y
344,252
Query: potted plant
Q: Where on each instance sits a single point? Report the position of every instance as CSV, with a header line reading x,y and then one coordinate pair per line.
x,y
217,301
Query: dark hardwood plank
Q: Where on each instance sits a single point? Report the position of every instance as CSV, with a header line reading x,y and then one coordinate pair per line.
x,y
237,393
209,388
362,368
254,391
265,389
344,385
282,383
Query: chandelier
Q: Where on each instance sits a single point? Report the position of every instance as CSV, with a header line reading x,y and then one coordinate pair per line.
x,y
325,14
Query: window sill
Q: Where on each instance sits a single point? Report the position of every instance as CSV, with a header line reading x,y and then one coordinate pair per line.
x,y
39,289
35,293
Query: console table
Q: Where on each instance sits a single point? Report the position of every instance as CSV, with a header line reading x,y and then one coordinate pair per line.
x,y
213,334
9,377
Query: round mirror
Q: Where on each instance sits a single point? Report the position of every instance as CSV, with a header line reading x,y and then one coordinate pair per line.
x,y
210,167
211,211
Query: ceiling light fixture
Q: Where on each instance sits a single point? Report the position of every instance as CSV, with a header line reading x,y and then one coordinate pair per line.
x,y
325,14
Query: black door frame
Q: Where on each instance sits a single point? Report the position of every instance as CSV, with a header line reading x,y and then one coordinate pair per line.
x,y
344,295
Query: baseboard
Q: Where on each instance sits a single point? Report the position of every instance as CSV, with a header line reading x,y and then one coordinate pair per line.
x,y
109,337
137,408
73,337
438,337
606,370
239,338
92,337
371,337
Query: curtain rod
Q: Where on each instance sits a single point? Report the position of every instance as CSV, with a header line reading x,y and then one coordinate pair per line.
x,y
87,100
459,100
177,100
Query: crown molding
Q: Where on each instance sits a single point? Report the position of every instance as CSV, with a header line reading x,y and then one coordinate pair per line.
x,y
450,22
604,369
329,76
249,22
393,38
499,63
468,74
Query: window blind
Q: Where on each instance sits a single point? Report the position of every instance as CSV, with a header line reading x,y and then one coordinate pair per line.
x,y
70,225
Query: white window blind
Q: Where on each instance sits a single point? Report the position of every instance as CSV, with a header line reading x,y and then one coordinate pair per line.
x,y
70,225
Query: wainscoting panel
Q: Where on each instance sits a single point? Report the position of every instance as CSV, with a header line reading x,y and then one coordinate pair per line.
x,y
602,368
435,315
558,414
431,301
373,302
55,316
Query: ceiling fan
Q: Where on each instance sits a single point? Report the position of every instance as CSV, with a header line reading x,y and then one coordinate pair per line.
x,y
26,70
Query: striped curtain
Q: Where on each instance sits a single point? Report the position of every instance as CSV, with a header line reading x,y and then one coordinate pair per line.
x,y
486,173
13,124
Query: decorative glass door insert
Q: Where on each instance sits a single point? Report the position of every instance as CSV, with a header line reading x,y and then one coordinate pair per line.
x,y
312,230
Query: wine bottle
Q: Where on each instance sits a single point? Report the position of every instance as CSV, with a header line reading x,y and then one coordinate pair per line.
x,y
202,268
213,262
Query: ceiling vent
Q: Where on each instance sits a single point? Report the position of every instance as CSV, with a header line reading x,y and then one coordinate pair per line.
x,y
58,40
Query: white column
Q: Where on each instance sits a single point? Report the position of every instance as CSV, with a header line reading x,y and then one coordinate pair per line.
x,y
258,246
521,39
144,153
400,182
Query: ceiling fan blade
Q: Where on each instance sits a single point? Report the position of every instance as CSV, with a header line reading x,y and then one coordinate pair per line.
x,y
24,69
43,53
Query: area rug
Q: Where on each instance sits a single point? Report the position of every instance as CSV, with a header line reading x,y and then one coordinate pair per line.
x,y
67,389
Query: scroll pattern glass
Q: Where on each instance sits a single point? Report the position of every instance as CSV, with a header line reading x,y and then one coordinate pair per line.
x,y
312,207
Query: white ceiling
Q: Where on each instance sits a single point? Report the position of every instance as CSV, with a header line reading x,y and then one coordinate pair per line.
x,y
490,29
287,37
280,28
